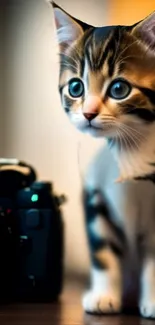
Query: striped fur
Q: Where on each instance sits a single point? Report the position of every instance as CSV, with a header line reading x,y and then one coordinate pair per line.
x,y
119,218
99,56
120,226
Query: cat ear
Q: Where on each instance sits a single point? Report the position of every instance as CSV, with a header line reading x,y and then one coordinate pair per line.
x,y
68,29
145,30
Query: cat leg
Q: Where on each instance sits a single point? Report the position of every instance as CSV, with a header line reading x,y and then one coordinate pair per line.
x,y
105,294
147,296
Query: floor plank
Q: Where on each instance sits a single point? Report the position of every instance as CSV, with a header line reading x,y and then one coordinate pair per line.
x,y
67,311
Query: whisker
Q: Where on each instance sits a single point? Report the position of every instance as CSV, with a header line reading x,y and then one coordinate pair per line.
x,y
128,153
120,138
68,65
127,57
124,139
74,49
139,134
131,137
124,127
123,60
107,118
68,57
127,132
128,142
127,47
131,140
107,122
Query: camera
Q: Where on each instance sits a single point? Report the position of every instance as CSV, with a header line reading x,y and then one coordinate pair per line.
x,y
31,236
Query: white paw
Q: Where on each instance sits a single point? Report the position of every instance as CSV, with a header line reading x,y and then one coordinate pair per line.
x,y
95,302
147,309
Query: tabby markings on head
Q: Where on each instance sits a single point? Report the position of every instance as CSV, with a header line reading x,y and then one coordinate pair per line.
x,y
107,86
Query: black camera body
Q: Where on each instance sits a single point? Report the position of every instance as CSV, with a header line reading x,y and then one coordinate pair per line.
x,y
31,240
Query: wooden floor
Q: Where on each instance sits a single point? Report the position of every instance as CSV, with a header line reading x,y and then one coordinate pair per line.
x,y
67,312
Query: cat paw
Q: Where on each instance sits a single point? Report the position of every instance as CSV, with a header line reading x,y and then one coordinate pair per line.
x,y
147,309
94,302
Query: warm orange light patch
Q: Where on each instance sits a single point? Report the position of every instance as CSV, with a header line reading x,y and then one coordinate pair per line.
x,y
129,12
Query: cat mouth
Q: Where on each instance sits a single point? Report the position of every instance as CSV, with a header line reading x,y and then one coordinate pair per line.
x,y
104,128
100,131
90,126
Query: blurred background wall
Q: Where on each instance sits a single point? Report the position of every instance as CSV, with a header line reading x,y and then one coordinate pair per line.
x,y
127,12
2,81
33,125
37,129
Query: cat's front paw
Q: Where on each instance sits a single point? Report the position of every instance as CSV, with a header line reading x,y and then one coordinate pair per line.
x,y
147,308
94,302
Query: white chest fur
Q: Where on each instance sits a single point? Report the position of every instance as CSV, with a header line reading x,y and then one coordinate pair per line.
x,y
132,202
139,161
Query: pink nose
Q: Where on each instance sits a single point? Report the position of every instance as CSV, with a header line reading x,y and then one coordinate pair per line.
x,y
91,107
90,116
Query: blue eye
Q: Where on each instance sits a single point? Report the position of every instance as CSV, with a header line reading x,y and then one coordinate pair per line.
x,y
119,89
76,88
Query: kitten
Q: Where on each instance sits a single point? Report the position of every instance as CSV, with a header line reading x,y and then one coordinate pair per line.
x,y
107,88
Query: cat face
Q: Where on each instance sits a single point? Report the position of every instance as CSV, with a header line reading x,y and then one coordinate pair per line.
x,y
107,77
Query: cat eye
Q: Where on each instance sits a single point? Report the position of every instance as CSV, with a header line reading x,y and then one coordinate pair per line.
x,y
76,87
119,89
